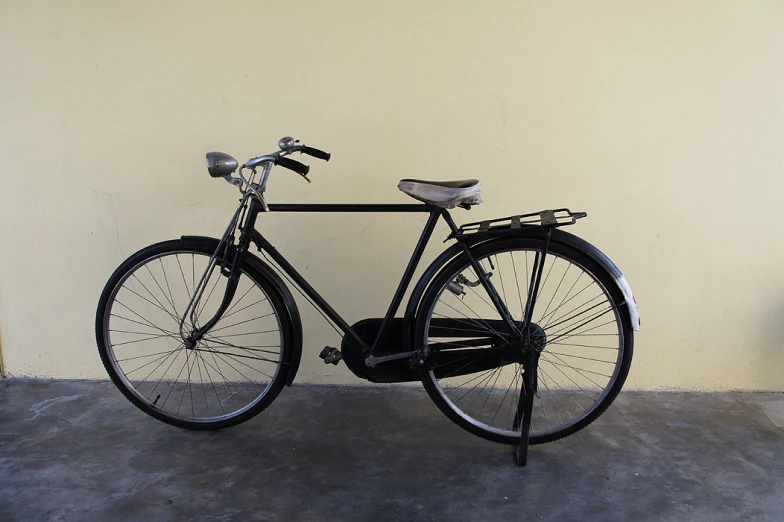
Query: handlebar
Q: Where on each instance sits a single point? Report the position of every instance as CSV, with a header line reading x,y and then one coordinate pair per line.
x,y
288,146
296,166
320,154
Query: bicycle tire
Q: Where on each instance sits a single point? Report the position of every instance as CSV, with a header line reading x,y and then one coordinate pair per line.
x,y
491,250
106,348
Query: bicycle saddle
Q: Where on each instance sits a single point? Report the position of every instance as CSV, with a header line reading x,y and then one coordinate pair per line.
x,y
445,194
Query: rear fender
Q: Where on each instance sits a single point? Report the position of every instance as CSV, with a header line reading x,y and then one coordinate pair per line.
x,y
557,236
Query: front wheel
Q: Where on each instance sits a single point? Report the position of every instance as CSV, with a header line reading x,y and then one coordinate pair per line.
x,y
473,372
233,373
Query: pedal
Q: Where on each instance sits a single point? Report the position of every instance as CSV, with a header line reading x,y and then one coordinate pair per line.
x,y
331,355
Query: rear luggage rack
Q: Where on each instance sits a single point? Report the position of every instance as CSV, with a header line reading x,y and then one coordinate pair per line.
x,y
546,218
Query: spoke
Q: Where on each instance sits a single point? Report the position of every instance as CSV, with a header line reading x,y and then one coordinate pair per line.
x,y
238,300
550,393
201,380
139,333
501,275
479,394
588,346
556,289
566,392
583,289
154,304
244,308
571,327
579,371
162,376
241,322
214,353
138,386
472,311
209,377
502,400
544,414
232,394
143,356
226,382
541,287
455,371
470,322
148,324
213,349
246,333
165,297
575,316
190,387
174,384
492,387
149,363
450,362
517,282
140,340
160,305
584,334
578,386
588,302
565,336
480,297
491,371
514,393
217,280
483,330
188,363
249,347
187,289
467,382
171,296
176,350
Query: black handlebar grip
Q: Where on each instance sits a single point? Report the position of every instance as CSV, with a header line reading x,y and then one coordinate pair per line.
x,y
320,154
294,165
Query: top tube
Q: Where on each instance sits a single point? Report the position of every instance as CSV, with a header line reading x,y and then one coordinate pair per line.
x,y
350,207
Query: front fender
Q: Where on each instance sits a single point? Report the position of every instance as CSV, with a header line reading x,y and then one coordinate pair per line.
x,y
279,287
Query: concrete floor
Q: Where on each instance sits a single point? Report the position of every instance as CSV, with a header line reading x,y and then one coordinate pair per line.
x,y
80,451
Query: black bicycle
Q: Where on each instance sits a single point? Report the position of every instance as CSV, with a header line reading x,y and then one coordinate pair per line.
x,y
520,332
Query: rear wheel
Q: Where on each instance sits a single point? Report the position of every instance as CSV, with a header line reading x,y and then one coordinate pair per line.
x,y
233,373
473,373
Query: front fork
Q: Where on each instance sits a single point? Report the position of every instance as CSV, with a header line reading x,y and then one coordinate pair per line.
x,y
231,271
530,351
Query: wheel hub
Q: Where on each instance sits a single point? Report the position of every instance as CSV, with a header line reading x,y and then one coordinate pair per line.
x,y
534,339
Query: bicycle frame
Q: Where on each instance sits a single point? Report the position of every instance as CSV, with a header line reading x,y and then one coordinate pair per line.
x,y
248,234
408,274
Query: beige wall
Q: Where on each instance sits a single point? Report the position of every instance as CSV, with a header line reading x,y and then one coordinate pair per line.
x,y
663,120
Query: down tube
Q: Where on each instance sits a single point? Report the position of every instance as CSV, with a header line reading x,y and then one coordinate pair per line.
x,y
305,286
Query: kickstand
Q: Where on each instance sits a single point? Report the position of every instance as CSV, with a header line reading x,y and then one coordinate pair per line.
x,y
525,407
